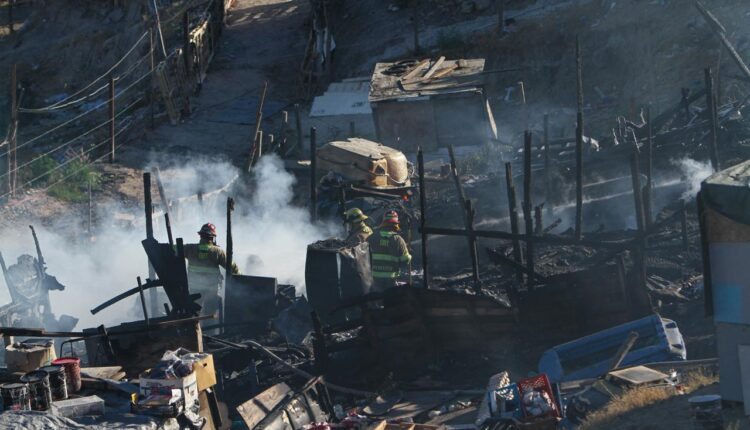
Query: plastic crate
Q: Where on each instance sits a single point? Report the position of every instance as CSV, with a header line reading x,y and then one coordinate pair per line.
x,y
538,383
506,402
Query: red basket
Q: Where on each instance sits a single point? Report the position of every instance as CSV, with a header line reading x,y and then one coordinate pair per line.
x,y
538,383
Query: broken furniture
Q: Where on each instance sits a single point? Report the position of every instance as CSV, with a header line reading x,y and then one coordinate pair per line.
x,y
428,103
658,340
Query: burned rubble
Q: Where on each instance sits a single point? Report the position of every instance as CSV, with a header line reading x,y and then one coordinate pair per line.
x,y
445,267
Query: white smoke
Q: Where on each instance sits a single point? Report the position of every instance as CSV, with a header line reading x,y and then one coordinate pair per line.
x,y
270,237
693,173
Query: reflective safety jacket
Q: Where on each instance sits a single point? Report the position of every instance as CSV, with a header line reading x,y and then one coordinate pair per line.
x,y
388,251
204,260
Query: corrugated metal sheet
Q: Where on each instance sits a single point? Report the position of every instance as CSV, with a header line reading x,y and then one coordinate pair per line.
x,y
344,98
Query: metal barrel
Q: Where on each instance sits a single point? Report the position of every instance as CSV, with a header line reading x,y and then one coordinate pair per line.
x,y
15,396
39,390
57,381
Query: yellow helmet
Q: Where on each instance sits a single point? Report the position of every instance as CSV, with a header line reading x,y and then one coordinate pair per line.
x,y
354,215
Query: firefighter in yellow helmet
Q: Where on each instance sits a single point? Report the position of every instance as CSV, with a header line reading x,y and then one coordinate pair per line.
x,y
204,260
388,252
359,231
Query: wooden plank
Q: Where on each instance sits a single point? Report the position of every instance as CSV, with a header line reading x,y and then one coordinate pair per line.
x,y
413,72
256,409
104,372
434,68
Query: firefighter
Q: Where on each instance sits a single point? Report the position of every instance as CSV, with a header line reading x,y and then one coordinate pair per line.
x,y
388,252
359,231
204,260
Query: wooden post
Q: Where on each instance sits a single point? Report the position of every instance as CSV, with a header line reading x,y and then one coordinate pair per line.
x,y
712,120
313,176
423,217
513,213
230,254
538,223
111,119
547,180
152,66
258,120
637,192
649,188
579,143
187,49
91,210
282,133
352,131
258,146
162,193
470,213
143,301
457,183
148,207
527,206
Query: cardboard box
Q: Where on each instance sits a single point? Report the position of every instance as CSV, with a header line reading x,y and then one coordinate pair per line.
x,y
204,370
25,358
160,391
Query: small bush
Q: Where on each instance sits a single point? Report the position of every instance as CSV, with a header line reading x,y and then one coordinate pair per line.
x,y
41,171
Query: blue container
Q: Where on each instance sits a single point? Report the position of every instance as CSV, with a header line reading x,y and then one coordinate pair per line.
x,y
659,339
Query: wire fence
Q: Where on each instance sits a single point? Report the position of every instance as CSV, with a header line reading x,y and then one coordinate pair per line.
x,y
130,82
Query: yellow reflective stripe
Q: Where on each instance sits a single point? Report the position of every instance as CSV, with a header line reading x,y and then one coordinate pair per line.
x,y
385,257
405,258
197,268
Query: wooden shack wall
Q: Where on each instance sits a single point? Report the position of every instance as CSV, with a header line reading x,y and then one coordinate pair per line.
x,y
432,122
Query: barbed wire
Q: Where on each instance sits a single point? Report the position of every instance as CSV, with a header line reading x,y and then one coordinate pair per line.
x,y
96,92
67,162
68,142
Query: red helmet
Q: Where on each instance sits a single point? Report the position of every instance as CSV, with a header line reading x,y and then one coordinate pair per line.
x,y
390,217
208,229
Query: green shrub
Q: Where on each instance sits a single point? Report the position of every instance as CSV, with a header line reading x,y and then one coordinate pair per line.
x,y
40,171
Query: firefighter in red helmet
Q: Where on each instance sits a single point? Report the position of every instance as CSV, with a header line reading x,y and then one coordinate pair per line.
x,y
204,260
388,252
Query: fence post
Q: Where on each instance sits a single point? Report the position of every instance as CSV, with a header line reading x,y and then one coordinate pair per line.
x,y
111,119
313,177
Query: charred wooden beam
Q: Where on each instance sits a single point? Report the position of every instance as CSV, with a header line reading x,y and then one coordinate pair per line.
x,y
423,216
527,205
649,188
313,176
513,213
148,207
470,213
713,120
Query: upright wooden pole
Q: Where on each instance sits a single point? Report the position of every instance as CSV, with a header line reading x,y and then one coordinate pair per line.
x,y
147,205
579,143
186,47
649,188
284,129
457,183
527,207
712,120
111,119
470,214
547,183
230,252
637,192
423,217
513,213
152,66
313,176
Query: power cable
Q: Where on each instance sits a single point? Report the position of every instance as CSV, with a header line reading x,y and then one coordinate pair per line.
x,y
104,75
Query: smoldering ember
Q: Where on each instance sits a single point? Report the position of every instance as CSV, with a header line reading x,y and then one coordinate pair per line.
x,y
375,214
